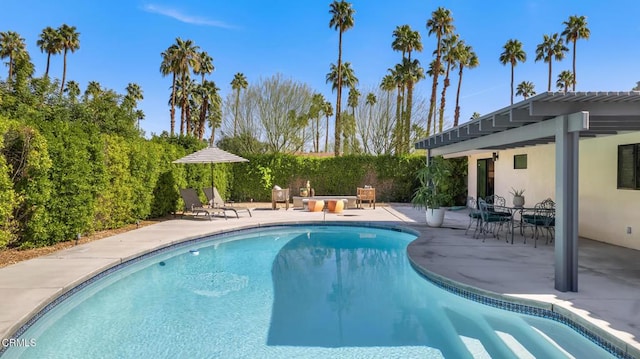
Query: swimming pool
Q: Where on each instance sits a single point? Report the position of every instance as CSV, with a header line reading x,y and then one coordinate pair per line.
x,y
287,292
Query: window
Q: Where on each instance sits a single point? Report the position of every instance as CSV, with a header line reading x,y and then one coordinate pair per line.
x,y
629,166
519,162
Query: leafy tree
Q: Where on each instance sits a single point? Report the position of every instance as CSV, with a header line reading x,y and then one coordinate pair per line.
x,y
440,24
525,89
637,88
467,58
341,20
50,42
238,83
512,54
552,47
69,41
576,29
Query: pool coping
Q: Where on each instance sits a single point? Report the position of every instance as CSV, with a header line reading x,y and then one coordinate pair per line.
x,y
542,309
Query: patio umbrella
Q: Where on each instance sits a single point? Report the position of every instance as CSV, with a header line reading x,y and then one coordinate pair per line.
x,y
211,155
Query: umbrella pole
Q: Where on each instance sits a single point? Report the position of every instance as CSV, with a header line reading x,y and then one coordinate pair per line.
x,y
211,184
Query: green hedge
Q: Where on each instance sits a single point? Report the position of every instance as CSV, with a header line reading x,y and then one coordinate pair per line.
x,y
59,179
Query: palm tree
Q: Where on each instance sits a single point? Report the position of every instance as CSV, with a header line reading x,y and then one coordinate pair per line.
x,y
134,94
209,94
352,101
13,47
73,91
552,47
186,58
370,101
440,24
168,66
93,89
576,28
565,80
317,103
49,42
431,72
205,65
345,77
467,58
450,57
512,54
238,83
406,40
327,109
525,89
69,41
412,73
341,20
397,75
139,115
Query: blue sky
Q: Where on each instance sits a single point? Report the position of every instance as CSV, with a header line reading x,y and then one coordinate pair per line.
x,y
121,42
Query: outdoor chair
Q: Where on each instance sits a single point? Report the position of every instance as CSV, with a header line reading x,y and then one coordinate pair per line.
x,y
474,214
193,204
495,202
489,219
279,195
541,219
366,194
216,201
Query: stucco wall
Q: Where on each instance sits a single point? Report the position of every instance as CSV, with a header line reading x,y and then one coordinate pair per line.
x,y
605,211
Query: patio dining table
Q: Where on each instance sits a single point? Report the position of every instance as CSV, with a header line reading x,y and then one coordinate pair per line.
x,y
512,210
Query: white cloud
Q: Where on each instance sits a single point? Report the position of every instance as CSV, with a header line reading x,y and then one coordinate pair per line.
x,y
186,18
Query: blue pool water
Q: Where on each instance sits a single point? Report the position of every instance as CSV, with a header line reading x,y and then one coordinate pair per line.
x,y
288,292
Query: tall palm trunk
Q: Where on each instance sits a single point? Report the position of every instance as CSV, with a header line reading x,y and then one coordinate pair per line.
x,y
574,65
46,72
338,125
326,137
203,118
512,66
398,127
317,144
434,86
407,117
456,116
183,109
549,85
443,99
64,71
173,105
235,118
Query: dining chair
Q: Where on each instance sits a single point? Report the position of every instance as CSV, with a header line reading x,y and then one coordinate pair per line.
x,y
474,214
490,219
541,219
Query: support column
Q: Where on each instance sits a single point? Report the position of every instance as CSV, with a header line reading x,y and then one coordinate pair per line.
x,y
566,229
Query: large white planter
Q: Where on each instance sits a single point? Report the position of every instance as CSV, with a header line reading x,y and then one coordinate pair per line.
x,y
435,217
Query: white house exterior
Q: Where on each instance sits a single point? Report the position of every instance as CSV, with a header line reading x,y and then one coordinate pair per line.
x,y
605,212
571,142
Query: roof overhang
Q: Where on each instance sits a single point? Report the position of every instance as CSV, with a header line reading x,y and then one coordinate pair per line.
x,y
526,123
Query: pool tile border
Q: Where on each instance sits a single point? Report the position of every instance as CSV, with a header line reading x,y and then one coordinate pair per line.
x,y
529,307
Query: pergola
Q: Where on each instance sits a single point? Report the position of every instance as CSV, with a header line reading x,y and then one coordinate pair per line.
x,y
549,117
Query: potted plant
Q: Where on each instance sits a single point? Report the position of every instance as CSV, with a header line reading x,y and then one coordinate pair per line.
x,y
432,193
518,198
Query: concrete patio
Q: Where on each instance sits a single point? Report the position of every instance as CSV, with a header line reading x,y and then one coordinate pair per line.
x,y
609,277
